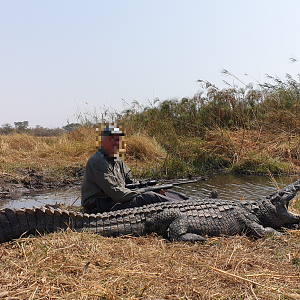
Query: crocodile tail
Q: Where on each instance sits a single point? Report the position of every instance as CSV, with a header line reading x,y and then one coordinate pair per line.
x,y
15,223
22,221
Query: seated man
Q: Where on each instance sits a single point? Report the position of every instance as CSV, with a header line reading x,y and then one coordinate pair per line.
x,y
103,188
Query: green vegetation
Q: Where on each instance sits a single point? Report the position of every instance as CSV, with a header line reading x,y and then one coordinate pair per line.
x,y
248,130
238,129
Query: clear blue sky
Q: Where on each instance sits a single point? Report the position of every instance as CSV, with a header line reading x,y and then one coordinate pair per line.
x,y
58,55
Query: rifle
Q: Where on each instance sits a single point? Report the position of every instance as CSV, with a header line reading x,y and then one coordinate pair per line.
x,y
151,185
140,184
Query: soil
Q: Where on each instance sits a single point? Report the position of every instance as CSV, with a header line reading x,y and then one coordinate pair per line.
x,y
27,181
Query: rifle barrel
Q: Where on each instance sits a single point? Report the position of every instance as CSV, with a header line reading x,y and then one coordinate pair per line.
x,y
164,186
184,182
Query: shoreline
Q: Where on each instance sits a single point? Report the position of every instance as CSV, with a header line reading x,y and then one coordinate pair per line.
x,y
34,164
30,182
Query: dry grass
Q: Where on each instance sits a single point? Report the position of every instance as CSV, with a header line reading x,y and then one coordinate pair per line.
x,y
278,152
242,150
275,144
252,146
50,153
69,265
46,152
143,148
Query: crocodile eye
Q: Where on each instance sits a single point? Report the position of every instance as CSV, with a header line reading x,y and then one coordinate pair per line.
x,y
275,199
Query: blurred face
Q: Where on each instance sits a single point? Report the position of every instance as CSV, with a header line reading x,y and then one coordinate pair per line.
x,y
111,144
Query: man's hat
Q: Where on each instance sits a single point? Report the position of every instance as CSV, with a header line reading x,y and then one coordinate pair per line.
x,y
110,130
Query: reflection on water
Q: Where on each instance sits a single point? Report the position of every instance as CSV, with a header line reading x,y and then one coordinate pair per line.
x,y
228,186
69,197
236,187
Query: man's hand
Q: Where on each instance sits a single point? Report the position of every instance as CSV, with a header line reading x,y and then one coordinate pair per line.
x,y
161,192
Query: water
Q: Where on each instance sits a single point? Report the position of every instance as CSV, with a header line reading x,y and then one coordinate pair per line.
x,y
236,187
66,196
228,186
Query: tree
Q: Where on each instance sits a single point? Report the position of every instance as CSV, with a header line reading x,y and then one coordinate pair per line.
x,y
6,129
21,126
71,126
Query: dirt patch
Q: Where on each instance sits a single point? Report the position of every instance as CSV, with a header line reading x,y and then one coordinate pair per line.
x,y
27,180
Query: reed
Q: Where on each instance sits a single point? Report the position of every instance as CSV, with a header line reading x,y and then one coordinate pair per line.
x,y
244,129
237,129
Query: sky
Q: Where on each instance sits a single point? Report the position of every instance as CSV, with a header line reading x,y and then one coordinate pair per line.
x,y
60,58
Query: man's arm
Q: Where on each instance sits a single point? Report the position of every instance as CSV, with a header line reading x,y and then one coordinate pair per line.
x,y
128,175
109,185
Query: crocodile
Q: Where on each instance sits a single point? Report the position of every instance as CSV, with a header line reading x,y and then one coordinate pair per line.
x,y
190,220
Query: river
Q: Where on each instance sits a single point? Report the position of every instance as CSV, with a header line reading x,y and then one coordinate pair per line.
x,y
228,186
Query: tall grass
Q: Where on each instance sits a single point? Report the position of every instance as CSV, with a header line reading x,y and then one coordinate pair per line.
x,y
228,127
67,154
243,128
32,150
275,104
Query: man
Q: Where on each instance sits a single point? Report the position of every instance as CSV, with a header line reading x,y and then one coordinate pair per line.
x,y
103,188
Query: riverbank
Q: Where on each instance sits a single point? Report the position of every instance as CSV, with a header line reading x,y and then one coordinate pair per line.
x,y
248,129
30,163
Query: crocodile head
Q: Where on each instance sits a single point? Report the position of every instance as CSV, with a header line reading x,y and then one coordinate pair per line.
x,y
272,211
280,200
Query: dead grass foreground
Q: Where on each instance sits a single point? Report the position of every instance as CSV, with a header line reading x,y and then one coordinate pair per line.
x,y
69,265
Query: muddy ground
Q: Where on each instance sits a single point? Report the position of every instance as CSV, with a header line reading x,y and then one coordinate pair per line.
x,y
27,181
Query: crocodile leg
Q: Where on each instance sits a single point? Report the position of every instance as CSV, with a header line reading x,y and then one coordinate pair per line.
x,y
174,225
259,231
161,222
179,231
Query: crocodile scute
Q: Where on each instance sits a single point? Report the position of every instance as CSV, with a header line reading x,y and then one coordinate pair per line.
x,y
189,220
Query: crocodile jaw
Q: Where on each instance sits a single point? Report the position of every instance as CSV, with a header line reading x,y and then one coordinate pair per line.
x,y
291,217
